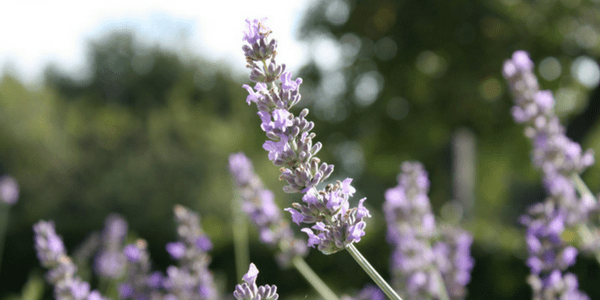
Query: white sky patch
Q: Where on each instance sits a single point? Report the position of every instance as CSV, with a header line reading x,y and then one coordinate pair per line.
x,y
37,32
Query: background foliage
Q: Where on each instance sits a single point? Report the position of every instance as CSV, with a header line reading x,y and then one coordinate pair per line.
x,y
149,129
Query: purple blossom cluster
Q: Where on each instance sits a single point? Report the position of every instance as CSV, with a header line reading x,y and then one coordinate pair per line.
x,y
369,292
550,255
140,282
427,261
560,159
250,291
110,261
259,204
191,280
9,190
290,147
62,271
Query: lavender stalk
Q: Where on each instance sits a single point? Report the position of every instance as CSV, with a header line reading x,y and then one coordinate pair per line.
x,y
258,203
290,146
428,261
62,271
561,161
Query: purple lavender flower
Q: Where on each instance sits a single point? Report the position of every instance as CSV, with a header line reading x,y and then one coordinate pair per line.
x,y
62,272
560,159
110,261
250,291
140,283
290,147
553,151
192,279
259,204
423,254
369,292
9,189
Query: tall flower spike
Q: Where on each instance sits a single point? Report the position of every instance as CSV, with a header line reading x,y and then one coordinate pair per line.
x,y
258,203
139,282
290,147
110,261
250,291
560,159
9,189
192,278
62,271
423,254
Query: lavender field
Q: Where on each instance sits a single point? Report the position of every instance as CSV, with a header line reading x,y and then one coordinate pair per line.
x,y
426,150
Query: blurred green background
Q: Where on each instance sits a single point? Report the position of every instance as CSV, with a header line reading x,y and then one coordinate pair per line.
x,y
408,80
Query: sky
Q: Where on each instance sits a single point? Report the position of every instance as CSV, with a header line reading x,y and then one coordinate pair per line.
x,y
38,32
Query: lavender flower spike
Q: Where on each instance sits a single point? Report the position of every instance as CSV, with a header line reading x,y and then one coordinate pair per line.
x,y
290,147
9,189
427,261
258,203
110,261
560,159
63,272
192,278
140,283
250,291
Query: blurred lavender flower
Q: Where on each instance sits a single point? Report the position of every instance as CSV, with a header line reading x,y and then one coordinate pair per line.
x,y
369,292
139,283
191,280
550,255
110,261
9,189
259,205
561,160
559,157
290,147
424,255
250,291
62,272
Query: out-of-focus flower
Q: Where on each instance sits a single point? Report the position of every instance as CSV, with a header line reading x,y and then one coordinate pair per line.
x,y
9,189
192,278
560,159
259,204
423,253
62,272
110,261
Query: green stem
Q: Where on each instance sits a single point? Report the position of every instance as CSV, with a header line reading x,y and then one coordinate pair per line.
x,y
582,188
313,279
442,285
583,230
586,237
3,226
240,238
362,261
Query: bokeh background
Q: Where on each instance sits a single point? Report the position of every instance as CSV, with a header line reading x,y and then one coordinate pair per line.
x,y
141,110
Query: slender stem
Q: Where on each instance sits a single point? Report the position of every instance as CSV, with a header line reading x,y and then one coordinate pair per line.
x,y
3,226
362,261
582,188
587,238
313,279
583,230
442,285
240,237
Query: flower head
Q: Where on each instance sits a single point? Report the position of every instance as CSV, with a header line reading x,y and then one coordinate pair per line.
x,y
9,189
250,291
259,204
